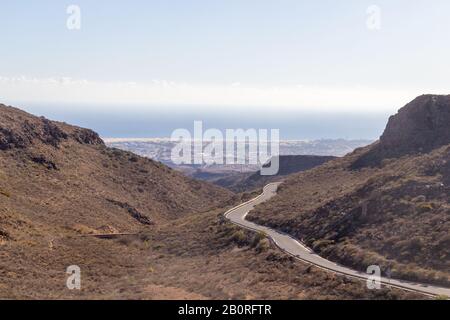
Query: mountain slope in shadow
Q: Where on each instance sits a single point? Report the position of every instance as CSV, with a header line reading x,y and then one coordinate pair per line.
x,y
288,164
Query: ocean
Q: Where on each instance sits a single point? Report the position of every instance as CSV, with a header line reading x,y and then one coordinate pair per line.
x,y
156,122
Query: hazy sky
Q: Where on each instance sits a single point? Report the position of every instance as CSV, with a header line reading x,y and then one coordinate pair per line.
x,y
280,54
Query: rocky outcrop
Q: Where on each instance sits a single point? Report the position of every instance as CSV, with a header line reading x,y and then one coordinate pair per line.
x,y
19,130
134,213
9,139
419,127
87,136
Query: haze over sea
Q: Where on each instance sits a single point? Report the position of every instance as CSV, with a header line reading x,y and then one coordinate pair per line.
x,y
155,122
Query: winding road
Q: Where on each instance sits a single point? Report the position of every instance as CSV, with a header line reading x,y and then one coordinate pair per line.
x,y
299,251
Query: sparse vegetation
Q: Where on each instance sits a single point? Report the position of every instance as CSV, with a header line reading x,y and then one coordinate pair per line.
x,y
263,245
5,193
385,204
239,237
257,238
189,252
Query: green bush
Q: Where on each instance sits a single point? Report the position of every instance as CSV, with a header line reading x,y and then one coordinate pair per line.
x,y
320,245
263,245
239,237
426,207
257,238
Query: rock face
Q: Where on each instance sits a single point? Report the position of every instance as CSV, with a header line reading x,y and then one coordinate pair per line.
x,y
419,127
422,125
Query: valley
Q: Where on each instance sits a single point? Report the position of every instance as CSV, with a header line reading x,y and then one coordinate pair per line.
x,y
60,182
386,204
225,159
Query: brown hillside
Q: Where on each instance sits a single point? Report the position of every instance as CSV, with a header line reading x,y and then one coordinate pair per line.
x,y
59,184
395,214
69,167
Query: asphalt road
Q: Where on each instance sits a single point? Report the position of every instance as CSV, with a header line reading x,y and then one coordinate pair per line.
x,y
296,249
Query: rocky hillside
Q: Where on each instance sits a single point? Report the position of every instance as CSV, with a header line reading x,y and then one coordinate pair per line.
x,y
386,204
60,184
58,181
41,159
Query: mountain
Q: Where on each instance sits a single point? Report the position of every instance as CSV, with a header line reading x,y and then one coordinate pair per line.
x,y
59,181
135,228
387,204
419,127
36,149
287,165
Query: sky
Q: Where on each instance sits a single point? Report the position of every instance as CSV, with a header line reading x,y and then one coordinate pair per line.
x,y
280,56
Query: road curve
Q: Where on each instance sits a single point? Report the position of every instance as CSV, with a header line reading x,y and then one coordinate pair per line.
x,y
298,250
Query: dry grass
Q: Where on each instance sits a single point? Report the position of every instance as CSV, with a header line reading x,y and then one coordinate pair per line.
x,y
397,215
58,180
